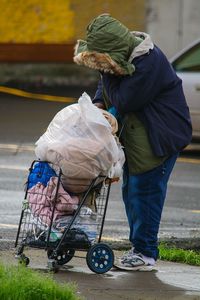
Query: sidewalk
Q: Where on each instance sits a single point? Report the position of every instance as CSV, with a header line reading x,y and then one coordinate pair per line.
x,y
171,280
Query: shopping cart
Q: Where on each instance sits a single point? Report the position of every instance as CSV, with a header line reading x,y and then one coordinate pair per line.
x,y
79,228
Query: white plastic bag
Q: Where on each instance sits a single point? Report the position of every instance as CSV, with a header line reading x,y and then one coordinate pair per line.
x,y
117,167
55,129
79,140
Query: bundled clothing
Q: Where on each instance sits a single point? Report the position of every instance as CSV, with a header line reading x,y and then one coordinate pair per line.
x,y
41,172
42,200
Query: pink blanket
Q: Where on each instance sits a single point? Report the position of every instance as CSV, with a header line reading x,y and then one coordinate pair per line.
x,y
42,200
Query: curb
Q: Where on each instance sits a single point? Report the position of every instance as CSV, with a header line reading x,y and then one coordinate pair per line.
x,y
124,244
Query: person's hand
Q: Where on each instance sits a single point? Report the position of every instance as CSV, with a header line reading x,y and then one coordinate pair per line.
x,y
99,105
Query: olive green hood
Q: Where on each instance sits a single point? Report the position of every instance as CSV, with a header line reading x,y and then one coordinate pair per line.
x,y
109,46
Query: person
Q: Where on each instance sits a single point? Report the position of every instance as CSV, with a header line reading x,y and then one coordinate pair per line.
x,y
138,83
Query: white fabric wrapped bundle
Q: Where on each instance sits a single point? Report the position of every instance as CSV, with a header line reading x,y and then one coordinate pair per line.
x,y
79,140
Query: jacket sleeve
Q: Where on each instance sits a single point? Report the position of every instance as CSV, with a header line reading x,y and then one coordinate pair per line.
x,y
131,93
98,98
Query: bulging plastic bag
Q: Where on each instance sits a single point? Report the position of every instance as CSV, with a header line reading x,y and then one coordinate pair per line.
x,y
56,129
79,140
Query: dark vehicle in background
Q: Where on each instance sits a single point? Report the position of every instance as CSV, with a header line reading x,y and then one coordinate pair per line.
x,y
187,65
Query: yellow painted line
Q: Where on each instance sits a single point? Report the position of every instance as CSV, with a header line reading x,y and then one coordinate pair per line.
x,y
195,211
43,97
193,147
17,147
8,225
188,160
12,167
105,238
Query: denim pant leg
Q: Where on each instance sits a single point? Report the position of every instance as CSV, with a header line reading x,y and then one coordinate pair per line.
x,y
144,196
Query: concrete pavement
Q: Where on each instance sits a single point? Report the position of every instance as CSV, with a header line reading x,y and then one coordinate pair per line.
x,y
170,280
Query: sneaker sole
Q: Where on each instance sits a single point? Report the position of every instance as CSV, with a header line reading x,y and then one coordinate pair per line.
x,y
138,268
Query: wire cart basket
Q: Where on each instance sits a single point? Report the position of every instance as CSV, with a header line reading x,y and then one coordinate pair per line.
x,y
61,222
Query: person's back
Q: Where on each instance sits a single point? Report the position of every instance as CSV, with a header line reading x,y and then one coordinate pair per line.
x,y
166,116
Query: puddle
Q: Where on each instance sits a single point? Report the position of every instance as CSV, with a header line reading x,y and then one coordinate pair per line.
x,y
188,280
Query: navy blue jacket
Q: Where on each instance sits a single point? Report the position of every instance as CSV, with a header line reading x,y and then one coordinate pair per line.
x,y
154,92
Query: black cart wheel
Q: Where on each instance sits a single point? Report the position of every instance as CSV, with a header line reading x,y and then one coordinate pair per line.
x,y
63,256
100,258
24,260
52,265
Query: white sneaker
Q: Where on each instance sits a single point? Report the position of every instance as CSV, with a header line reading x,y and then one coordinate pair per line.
x,y
133,261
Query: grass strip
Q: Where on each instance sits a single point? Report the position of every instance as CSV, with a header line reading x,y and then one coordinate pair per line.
x,y
21,283
189,257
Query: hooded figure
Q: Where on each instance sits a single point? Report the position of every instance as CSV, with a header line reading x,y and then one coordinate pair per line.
x,y
138,82
109,46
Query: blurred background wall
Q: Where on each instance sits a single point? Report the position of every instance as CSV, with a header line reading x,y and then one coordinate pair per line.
x,y
172,23
129,12
37,37
61,21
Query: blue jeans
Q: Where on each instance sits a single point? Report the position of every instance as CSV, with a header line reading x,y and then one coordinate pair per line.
x,y
144,197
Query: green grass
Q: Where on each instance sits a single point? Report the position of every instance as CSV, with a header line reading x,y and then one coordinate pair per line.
x,y
21,283
190,257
